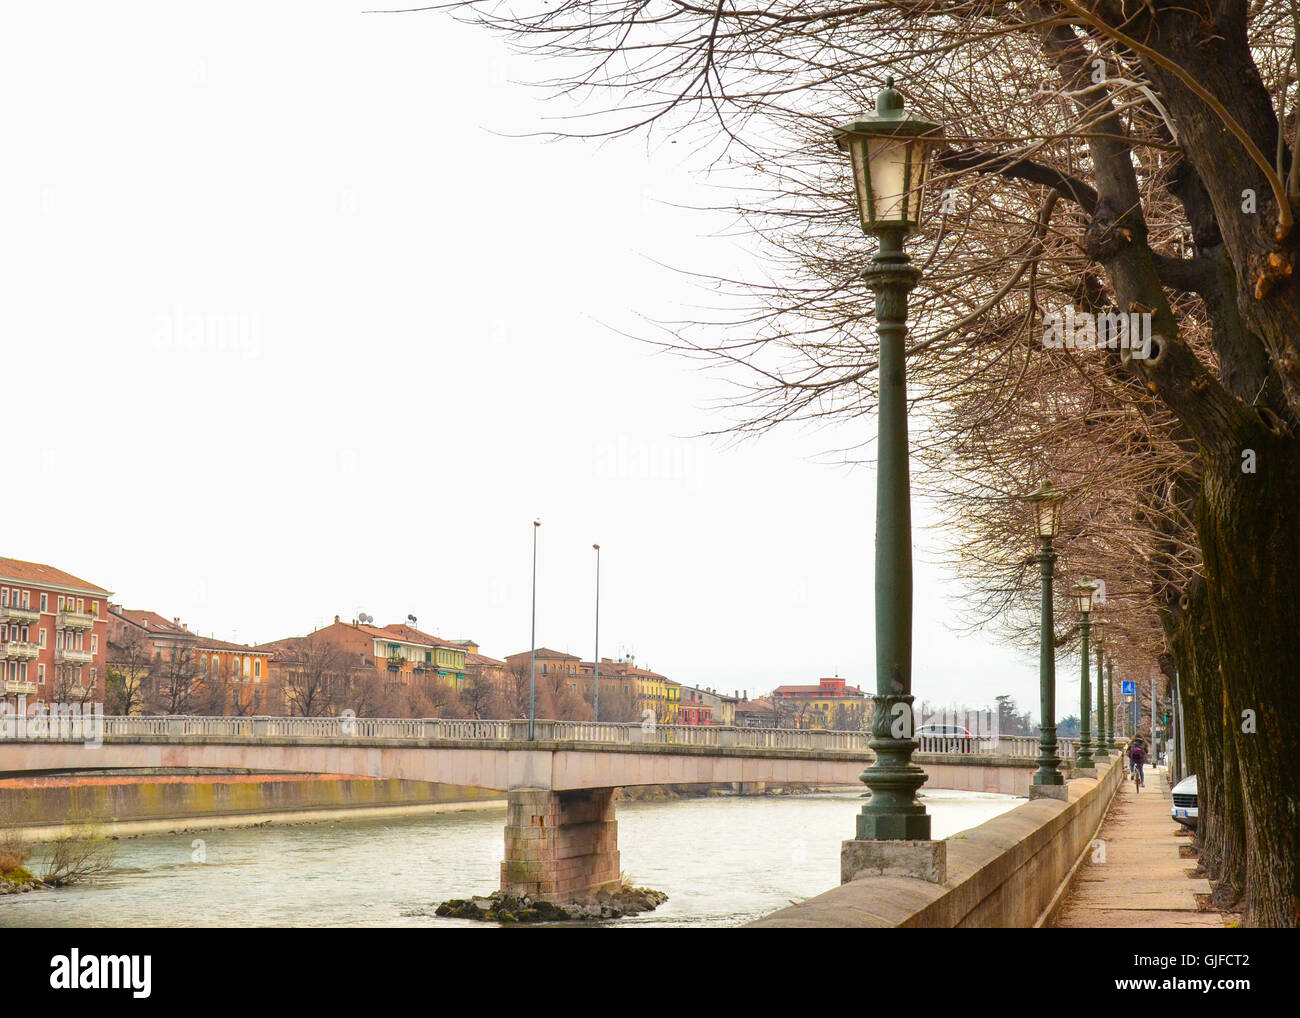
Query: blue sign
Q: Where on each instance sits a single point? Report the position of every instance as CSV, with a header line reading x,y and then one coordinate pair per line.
x,y
1128,687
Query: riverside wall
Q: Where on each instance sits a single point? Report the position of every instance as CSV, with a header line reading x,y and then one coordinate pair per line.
x,y
1008,872
35,802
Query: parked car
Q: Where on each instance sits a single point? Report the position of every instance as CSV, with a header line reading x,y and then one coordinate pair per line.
x,y
1185,809
944,739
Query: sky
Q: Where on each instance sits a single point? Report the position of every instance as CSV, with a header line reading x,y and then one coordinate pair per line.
x,y
299,323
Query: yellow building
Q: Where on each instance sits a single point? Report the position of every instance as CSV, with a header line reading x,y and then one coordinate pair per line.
x,y
832,703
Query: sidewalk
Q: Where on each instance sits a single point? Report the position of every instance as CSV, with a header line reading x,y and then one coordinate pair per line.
x,y
1143,881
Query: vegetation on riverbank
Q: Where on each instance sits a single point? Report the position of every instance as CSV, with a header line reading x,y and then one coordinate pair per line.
x,y
79,854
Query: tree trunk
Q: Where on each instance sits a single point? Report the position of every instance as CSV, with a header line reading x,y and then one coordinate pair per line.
x,y
1246,523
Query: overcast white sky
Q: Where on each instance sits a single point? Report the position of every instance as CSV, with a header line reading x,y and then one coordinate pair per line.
x,y
291,332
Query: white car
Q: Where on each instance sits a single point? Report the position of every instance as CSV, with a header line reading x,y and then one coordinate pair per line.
x,y
1185,809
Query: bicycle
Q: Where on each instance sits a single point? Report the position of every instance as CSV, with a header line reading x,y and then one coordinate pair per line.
x,y
1137,777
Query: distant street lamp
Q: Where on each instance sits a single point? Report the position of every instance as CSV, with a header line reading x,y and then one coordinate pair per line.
x,y
1084,590
532,654
890,155
1046,501
1110,702
596,659
1102,751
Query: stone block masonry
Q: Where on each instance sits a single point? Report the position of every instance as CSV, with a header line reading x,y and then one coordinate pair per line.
x,y
560,845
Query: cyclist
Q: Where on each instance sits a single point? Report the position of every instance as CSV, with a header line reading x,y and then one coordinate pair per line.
x,y
1137,755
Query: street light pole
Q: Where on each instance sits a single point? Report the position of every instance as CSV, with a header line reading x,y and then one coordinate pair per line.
x,y
889,150
1084,589
1047,779
1110,700
1102,750
596,659
532,654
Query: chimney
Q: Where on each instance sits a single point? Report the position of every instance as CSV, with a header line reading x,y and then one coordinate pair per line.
x,y
336,620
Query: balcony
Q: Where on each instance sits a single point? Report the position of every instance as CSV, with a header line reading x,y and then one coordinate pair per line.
x,y
75,620
16,650
16,616
73,657
21,688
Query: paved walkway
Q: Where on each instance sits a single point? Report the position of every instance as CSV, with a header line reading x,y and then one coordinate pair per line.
x,y
1143,881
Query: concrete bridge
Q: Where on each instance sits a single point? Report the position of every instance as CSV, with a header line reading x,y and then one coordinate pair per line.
x,y
561,832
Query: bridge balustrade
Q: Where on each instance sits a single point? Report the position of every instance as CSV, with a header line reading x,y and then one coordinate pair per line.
x,y
598,732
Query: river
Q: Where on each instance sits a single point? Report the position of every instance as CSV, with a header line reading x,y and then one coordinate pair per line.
x,y
722,861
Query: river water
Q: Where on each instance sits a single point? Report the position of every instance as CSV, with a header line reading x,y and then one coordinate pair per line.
x,y
722,861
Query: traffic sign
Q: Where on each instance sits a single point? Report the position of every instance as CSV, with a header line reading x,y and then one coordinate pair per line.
x,y
1129,687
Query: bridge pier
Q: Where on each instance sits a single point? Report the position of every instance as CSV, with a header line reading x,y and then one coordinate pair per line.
x,y
560,845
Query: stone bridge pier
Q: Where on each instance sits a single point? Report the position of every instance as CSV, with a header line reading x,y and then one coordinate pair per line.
x,y
560,845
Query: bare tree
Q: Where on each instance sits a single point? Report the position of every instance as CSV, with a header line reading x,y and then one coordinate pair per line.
x,y
128,663
173,686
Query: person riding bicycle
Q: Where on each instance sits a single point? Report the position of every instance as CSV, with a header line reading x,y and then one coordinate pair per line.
x,y
1137,755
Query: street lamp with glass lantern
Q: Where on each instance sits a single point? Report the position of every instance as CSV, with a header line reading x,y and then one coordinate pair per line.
x,y
890,155
1046,502
1083,590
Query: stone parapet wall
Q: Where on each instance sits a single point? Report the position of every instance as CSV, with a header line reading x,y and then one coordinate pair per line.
x,y
1003,873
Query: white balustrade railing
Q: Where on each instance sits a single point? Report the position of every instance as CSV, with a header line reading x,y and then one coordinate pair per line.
x,y
586,732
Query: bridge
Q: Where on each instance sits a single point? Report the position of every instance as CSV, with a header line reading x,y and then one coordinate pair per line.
x,y
561,832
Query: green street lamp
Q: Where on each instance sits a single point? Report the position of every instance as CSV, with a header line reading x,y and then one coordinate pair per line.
x,y
1083,590
1046,501
1110,704
1102,751
890,154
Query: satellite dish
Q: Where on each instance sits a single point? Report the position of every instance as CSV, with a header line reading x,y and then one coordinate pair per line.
x,y
412,619
364,619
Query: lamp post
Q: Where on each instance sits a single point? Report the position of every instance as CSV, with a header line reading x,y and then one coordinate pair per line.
x,y
596,659
1110,704
532,653
1046,501
1084,590
889,151
1102,751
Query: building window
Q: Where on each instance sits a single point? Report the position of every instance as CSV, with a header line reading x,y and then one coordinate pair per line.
x,y
45,602
40,673
94,643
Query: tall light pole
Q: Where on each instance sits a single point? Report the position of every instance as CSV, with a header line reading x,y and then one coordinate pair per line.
x,y
889,151
1102,751
532,653
596,658
1047,523
1110,702
1084,590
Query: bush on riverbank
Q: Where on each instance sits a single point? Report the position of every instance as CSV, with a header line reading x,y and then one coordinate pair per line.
x,y
80,853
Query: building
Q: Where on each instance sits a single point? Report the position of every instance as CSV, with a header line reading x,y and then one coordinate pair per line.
x,y
693,710
832,703
166,666
397,653
546,663
759,713
722,708
646,689
419,655
53,634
